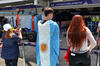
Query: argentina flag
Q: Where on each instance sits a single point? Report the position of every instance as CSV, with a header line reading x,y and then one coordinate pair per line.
x,y
48,44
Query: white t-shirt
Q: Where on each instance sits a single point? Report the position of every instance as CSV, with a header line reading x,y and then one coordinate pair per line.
x,y
85,46
99,25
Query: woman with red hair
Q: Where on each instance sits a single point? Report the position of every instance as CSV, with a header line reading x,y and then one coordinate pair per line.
x,y
77,37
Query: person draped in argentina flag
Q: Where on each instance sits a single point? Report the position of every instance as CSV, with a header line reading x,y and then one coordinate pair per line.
x,y
48,42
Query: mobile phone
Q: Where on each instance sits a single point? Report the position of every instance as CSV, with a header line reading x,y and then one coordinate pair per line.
x,y
18,26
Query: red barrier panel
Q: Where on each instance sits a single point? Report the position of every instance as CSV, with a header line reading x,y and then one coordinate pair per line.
x,y
18,21
33,25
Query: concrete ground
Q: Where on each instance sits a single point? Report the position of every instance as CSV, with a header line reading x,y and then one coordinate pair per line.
x,y
30,53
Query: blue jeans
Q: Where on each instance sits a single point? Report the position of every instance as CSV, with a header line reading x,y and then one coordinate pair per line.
x,y
76,59
11,62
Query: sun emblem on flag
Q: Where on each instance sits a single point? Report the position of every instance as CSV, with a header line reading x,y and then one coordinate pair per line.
x,y
43,47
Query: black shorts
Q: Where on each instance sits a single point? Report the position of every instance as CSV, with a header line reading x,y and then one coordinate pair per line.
x,y
76,59
99,34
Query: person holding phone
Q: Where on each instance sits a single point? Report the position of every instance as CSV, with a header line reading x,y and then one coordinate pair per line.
x,y
10,49
17,29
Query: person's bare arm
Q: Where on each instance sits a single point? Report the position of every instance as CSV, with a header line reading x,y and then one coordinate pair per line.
x,y
97,29
67,39
0,46
20,34
91,39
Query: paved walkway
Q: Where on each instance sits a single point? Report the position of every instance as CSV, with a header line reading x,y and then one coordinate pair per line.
x,y
20,62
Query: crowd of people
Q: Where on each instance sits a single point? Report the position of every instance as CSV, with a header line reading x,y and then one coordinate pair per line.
x,y
48,42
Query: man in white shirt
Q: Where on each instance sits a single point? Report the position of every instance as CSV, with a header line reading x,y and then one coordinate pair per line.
x,y
98,31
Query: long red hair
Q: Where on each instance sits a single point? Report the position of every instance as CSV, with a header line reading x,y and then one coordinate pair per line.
x,y
76,32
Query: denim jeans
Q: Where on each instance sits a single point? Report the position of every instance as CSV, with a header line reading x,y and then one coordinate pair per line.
x,y
76,59
11,62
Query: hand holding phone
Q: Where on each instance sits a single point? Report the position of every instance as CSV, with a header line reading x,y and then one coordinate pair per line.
x,y
18,26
